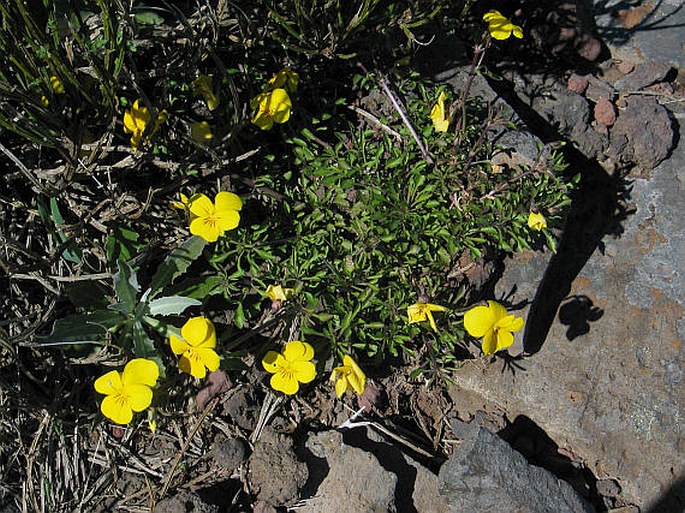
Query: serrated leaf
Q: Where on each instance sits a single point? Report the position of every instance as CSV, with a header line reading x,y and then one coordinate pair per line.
x,y
126,286
76,329
176,263
171,305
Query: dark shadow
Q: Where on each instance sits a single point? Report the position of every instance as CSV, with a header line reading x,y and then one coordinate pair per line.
x,y
318,470
526,437
673,500
577,313
597,209
392,460
631,17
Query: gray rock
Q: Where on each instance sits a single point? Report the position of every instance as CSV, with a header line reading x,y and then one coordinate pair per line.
x,y
228,453
185,502
276,475
485,474
644,74
642,134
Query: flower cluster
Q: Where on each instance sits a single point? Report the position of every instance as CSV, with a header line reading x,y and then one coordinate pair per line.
x,y
273,105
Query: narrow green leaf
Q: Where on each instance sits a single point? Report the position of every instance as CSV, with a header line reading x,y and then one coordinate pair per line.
x,y
126,286
176,263
75,329
171,305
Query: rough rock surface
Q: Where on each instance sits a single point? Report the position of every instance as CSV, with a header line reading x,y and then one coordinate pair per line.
x,y
185,502
605,360
276,475
485,474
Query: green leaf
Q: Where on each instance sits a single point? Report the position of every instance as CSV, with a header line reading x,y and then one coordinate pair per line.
x,y
239,316
126,286
171,305
149,18
176,263
80,328
143,346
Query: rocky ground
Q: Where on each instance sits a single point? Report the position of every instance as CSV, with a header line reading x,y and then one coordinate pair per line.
x,y
583,414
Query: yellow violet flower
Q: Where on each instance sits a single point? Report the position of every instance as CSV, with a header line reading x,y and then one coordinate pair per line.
x,y
56,84
196,347
420,312
494,325
201,132
278,293
44,101
500,27
285,79
439,115
210,220
290,368
202,85
348,376
537,221
127,391
271,107
136,120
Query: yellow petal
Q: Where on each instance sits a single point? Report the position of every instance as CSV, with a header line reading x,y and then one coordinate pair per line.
x,y
140,371
201,132
225,201
201,205
116,409
504,339
340,386
284,383
273,361
108,383
298,351
478,321
178,346
305,372
199,332
489,345
208,231
190,363
431,321
275,293
139,397
416,312
498,311
56,84
209,358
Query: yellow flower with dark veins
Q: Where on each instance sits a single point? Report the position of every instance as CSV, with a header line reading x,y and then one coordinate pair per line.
x,y
129,391
56,84
285,79
201,132
271,107
210,220
500,27
348,376
290,368
439,115
202,85
196,347
537,221
494,325
420,312
279,293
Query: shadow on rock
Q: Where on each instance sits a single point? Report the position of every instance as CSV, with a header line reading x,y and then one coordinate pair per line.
x,y
577,313
671,501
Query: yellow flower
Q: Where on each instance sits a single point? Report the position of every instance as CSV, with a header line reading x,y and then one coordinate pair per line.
x,y
201,132
493,324
182,204
348,377
56,84
419,312
271,107
278,293
136,120
197,347
500,27
290,368
285,79
128,391
44,101
438,114
202,85
537,221
210,220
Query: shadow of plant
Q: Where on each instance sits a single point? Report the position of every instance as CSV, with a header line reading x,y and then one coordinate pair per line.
x,y
577,313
